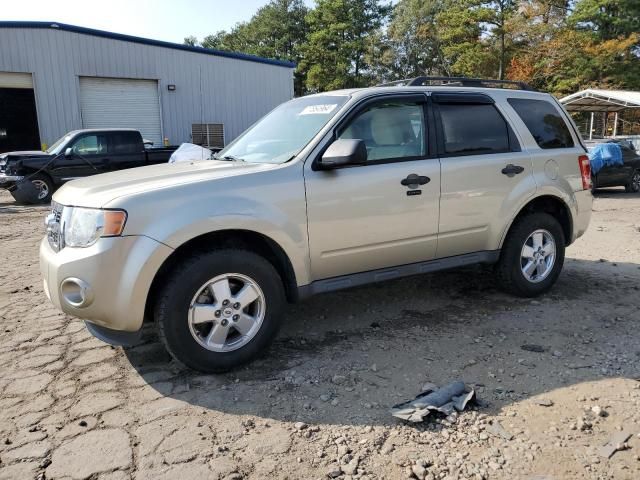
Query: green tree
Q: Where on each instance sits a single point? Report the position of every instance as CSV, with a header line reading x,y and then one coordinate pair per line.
x,y
343,42
460,30
191,41
610,19
412,46
498,14
558,51
277,30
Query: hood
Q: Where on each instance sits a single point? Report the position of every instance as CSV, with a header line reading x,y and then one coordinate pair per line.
x,y
97,190
25,153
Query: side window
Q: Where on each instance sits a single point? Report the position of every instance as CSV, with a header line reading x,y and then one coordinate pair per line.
x,y
90,145
125,142
390,130
544,122
473,129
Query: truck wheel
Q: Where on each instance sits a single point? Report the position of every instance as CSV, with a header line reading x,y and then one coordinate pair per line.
x,y
634,183
220,309
44,186
532,255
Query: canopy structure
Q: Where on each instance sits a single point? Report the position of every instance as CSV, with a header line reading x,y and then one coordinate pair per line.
x,y
593,100
603,101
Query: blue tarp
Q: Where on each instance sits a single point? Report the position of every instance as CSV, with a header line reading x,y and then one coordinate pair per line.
x,y
605,155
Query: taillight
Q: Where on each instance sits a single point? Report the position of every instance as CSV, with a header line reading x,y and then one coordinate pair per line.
x,y
585,171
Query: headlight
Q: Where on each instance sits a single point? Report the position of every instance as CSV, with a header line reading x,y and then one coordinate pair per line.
x,y
84,226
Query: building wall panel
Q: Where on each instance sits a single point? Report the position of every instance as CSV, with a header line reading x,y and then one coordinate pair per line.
x,y
209,89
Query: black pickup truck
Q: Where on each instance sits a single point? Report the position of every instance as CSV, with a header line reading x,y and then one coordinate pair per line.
x,y
77,154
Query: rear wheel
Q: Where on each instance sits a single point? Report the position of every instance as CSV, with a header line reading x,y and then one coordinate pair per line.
x,y
634,183
220,309
532,255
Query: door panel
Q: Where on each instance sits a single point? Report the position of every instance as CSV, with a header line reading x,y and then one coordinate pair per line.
x,y
362,219
89,156
484,173
477,199
126,150
365,218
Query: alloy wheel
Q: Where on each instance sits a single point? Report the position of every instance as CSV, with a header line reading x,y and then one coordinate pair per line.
x,y
42,187
538,256
226,312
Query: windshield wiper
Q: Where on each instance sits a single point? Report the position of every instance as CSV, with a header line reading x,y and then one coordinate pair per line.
x,y
231,158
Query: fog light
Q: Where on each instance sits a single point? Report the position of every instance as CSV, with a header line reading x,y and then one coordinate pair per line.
x,y
76,292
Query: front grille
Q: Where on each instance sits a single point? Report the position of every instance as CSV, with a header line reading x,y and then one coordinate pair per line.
x,y
54,227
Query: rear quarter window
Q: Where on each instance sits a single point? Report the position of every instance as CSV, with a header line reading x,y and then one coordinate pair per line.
x,y
544,122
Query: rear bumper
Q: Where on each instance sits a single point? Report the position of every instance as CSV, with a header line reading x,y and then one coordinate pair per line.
x,y
582,215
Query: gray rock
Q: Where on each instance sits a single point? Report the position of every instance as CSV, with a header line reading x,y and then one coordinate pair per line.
x,y
339,379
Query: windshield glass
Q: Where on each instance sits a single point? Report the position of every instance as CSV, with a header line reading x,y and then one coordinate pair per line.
x,y
57,147
281,134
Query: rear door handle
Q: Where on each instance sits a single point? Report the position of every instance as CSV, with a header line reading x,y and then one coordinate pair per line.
x,y
511,170
415,179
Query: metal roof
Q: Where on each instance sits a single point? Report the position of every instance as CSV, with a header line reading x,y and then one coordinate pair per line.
x,y
594,100
144,41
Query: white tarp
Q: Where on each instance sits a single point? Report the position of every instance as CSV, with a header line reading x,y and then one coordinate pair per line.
x,y
188,152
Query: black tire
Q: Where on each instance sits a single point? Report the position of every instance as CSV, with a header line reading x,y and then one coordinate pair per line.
x,y
634,183
42,181
509,268
172,307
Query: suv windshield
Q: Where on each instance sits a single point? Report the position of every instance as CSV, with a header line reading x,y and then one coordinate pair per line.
x,y
283,132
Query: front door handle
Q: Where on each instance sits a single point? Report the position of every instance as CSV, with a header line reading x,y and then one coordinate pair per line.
x,y
415,180
511,170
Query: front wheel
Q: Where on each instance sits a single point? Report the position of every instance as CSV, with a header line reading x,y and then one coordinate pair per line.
x,y
220,309
634,183
532,255
44,187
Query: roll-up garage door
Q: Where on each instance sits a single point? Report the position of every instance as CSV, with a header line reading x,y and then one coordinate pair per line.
x,y
121,103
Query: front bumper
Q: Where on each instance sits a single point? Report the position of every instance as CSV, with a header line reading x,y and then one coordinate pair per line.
x,y
8,181
115,275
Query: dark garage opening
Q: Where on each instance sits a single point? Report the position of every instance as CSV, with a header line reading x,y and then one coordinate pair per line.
x,y
18,120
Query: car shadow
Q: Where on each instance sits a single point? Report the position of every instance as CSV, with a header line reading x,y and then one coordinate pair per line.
x,y
8,205
346,357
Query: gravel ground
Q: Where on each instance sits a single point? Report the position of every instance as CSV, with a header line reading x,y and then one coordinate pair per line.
x,y
317,405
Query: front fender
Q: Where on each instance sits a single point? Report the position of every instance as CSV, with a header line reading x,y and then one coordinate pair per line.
x,y
271,204
290,237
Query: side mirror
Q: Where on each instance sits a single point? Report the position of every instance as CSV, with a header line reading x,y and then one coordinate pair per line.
x,y
68,152
344,152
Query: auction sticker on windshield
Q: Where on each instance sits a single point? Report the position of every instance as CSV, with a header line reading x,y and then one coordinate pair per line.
x,y
318,109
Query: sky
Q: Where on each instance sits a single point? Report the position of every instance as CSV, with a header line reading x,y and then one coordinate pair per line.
x,y
169,20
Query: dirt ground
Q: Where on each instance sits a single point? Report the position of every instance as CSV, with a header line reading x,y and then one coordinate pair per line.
x,y
317,405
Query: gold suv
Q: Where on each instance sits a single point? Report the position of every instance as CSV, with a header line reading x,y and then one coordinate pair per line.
x,y
325,192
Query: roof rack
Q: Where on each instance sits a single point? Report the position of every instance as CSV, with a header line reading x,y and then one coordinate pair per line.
x,y
458,81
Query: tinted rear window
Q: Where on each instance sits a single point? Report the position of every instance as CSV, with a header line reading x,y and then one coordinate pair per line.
x,y
473,129
544,122
126,142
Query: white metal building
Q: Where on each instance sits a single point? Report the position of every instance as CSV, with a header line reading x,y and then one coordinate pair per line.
x,y
55,78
